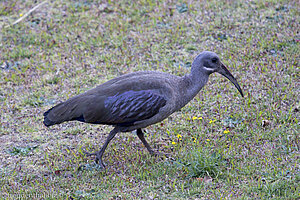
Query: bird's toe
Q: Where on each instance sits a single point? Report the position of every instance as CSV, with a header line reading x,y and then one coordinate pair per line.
x,y
90,154
100,162
159,154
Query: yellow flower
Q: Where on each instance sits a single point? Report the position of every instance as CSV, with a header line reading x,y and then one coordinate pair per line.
x,y
226,131
194,118
173,142
21,15
212,121
207,140
179,136
194,139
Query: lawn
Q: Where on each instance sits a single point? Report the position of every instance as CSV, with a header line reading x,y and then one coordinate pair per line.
x,y
219,146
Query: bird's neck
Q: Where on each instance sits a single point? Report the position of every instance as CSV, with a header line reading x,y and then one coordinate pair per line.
x,y
194,83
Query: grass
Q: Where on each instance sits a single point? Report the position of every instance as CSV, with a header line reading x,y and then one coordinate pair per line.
x,y
221,146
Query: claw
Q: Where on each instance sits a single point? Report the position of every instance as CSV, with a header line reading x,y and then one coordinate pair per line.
x,y
90,154
160,154
100,163
98,159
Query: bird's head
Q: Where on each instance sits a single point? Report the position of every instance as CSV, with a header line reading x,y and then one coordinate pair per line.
x,y
209,62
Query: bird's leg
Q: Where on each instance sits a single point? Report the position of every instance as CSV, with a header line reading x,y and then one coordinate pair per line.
x,y
140,134
100,153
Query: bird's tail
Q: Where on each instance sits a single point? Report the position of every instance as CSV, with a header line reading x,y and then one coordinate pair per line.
x,y
47,122
55,115
65,111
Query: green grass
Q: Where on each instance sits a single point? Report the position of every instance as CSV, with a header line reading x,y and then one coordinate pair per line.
x,y
241,148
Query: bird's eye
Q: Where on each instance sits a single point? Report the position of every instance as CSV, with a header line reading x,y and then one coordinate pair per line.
x,y
214,60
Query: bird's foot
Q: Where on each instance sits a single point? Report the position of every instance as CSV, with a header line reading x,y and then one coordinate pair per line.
x,y
88,154
98,159
100,162
159,154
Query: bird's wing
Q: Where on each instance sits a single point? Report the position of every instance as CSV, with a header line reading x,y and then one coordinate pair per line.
x,y
131,106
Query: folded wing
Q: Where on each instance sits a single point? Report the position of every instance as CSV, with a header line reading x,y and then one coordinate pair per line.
x,y
131,106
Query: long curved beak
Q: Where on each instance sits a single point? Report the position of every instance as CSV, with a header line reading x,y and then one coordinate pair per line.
x,y
225,72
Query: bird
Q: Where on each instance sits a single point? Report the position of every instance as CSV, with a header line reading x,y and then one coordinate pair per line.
x,y
136,100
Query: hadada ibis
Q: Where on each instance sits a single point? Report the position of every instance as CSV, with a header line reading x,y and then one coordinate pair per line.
x,y
137,100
